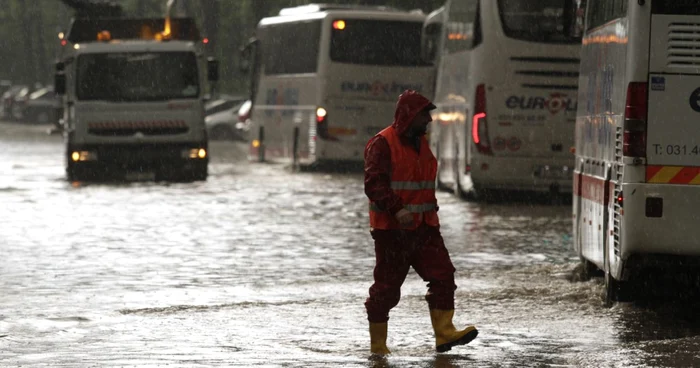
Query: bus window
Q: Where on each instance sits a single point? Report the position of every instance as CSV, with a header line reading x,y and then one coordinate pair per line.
x,y
686,7
431,42
541,21
462,31
578,19
604,11
377,42
290,48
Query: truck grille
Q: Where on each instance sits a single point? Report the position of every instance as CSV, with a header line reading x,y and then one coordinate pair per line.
x,y
683,45
129,128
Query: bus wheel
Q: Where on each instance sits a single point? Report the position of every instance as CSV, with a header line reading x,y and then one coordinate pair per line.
x,y
487,195
438,183
616,290
458,191
588,270
457,182
612,290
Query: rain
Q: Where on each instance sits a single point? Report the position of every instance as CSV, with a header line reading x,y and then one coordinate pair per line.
x,y
198,183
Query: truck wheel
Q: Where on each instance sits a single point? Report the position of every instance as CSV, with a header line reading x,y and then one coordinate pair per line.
x,y
71,174
200,174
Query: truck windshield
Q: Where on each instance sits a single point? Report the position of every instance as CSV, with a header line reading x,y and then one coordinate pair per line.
x,y
145,76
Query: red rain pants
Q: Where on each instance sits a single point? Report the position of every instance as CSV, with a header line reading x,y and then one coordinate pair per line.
x,y
396,251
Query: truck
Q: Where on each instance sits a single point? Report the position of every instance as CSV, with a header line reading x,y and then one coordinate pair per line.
x,y
133,92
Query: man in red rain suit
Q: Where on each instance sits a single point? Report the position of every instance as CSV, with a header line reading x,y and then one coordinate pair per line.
x,y
400,174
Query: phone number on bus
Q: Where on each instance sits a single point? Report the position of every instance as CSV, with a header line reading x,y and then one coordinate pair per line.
x,y
676,150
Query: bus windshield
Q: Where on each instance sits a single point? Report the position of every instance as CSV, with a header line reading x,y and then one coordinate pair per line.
x,y
676,7
547,21
152,76
376,42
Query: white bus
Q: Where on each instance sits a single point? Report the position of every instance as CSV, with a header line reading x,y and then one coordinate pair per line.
x,y
327,78
637,139
506,94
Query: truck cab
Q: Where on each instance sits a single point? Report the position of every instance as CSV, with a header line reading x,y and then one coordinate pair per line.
x,y
134,92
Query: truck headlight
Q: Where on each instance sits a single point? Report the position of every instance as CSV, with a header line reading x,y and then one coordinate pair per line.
x,y
195,153
78,156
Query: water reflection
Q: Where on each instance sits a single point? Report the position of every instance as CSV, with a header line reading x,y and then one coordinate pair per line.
x,y
260,266
437,361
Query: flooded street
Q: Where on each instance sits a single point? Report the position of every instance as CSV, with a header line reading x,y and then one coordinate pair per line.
x,y
262,267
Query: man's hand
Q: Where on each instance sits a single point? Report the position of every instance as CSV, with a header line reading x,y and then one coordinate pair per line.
x,y
405,218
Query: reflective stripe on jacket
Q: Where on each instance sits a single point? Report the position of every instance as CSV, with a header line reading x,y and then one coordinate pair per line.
x,y
412,179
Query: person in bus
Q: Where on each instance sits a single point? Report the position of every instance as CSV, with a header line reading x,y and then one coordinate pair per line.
x,y
400,174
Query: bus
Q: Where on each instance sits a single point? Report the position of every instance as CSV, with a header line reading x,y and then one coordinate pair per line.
x,y
326,78
637,141
507,79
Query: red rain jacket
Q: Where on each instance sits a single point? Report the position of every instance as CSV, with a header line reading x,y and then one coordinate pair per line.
x,y
379,168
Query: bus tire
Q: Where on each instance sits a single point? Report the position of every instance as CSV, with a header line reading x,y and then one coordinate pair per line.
x,y
612,290
486,195
441,165
588,269
438,183
616,290
457,187
458,191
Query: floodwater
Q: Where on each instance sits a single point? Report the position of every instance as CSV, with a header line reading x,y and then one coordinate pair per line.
x,y
259,266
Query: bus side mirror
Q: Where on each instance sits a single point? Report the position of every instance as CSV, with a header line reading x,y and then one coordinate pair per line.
x,y
212,69
247,54
244,66
430,42
59,83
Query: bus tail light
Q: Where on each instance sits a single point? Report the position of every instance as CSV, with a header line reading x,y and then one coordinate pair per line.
x,y
634,141
245,111
480,134
620,199
322,125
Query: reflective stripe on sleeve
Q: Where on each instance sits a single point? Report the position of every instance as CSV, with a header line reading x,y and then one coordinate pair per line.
x,y
412,185
413,208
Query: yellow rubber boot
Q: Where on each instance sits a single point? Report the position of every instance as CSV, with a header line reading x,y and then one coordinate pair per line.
x,y
377,335
446,335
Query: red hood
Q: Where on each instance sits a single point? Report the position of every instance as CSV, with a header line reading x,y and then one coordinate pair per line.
x,y
410,103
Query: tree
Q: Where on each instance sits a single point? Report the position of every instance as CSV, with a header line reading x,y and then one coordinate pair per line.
x,y
29,29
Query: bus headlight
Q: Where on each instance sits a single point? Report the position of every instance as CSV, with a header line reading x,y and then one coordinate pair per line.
x,y
195,153
79,156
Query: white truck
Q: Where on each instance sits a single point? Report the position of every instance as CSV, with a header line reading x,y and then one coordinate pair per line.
x,y
134,92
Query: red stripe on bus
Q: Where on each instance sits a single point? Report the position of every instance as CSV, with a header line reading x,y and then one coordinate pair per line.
x,y
685,176
592,188
652,171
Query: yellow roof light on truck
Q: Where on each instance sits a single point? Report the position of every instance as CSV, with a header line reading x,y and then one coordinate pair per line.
x,y
167,32
104,36
166,35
